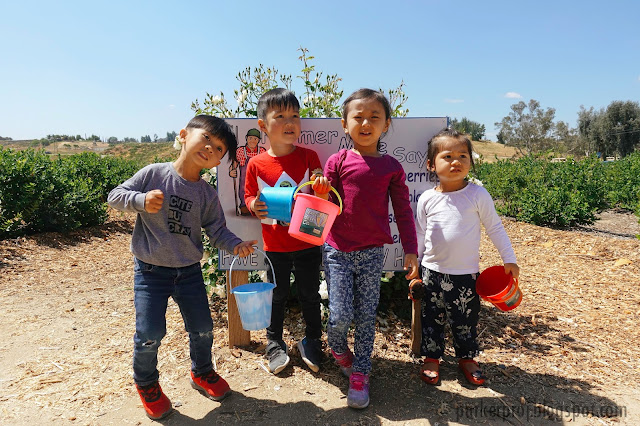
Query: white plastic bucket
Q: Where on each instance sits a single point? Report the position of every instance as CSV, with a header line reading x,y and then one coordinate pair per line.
x,y
254,301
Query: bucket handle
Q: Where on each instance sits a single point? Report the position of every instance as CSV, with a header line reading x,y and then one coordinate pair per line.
x,y
332,188
265,256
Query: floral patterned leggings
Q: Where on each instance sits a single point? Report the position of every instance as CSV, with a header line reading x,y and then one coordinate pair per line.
x,y
353,280
449,299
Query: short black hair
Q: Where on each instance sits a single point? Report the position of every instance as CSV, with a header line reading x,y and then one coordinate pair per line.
x,y
277,98
435,146
368,94
219,129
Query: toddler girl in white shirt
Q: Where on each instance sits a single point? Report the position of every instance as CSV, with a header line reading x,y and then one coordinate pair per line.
x,y
448,228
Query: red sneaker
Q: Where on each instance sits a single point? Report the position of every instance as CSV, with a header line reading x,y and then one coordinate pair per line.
x,y
155,402
211,385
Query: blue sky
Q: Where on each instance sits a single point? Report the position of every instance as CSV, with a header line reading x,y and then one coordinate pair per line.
x,y
133,68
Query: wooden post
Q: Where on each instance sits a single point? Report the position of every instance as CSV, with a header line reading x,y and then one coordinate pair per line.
x,y
416,327
238,336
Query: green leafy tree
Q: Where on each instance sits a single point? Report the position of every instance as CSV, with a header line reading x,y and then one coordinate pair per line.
x,y
622,124
470,127
528,127
614,130
171,136
112,139
321,94
567,139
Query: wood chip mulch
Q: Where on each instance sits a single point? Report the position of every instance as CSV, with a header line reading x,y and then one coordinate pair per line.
x,y
67,315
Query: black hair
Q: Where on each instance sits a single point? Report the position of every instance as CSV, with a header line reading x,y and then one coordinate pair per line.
x,y
219,129
368,94
435,146
277,98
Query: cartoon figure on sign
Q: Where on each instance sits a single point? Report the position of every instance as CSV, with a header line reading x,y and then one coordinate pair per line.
x,y
243,154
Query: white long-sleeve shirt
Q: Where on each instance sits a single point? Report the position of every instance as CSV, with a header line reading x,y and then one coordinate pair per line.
x,y
448,228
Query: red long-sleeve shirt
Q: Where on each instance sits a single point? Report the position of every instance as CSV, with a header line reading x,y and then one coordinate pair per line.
x,y
289,170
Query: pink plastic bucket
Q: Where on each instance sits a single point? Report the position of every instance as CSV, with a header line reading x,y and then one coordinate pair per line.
x,y
499,288
313,217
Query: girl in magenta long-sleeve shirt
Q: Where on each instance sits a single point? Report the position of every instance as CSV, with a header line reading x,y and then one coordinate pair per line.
x,y
354,251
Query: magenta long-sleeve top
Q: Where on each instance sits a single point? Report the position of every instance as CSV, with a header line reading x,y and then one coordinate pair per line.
x,y
365,185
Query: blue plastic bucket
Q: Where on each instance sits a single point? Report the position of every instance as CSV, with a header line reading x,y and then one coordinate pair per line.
x,y
254,301
279,202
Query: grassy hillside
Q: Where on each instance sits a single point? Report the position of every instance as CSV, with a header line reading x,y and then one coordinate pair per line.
x,y
61,148
490,150
148,152
143,152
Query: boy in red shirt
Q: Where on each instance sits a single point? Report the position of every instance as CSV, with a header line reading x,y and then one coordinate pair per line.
x,y
286,164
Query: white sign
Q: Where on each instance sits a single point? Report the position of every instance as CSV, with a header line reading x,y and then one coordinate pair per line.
x,y
406,141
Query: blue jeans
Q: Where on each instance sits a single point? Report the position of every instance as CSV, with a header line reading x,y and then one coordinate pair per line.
x,y
353,281
153,285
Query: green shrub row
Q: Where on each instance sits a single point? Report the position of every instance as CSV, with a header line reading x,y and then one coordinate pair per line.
x,y
39,194
622,183
535,190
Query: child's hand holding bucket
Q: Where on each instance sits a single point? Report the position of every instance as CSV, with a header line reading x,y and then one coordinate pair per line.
x,y
259,207
499,286
513,269
245,248
321,187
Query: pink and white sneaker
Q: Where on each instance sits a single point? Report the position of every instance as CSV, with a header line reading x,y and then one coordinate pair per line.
x,y
344,361
358,395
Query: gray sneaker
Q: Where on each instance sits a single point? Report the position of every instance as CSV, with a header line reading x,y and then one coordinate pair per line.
x,y
276,353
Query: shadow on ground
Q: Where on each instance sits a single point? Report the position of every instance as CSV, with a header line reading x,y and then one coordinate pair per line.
x,y
397,395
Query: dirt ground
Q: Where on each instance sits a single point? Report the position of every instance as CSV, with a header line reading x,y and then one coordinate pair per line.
x,y
568,354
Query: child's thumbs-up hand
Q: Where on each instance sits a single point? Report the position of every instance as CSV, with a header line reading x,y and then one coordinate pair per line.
x,y
153,201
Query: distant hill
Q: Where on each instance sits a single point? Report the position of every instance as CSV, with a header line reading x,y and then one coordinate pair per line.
x,y
143,152
490,150
146,152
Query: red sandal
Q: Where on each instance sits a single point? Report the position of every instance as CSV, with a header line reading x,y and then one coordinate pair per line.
x,y
476,377
426,373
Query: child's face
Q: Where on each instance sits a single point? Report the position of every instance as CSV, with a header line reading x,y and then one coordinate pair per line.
x,y
452,163
252,142
281,125
201,148
365,122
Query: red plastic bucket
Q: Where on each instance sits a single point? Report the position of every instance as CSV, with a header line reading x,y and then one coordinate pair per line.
x,y
499,288
312,217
